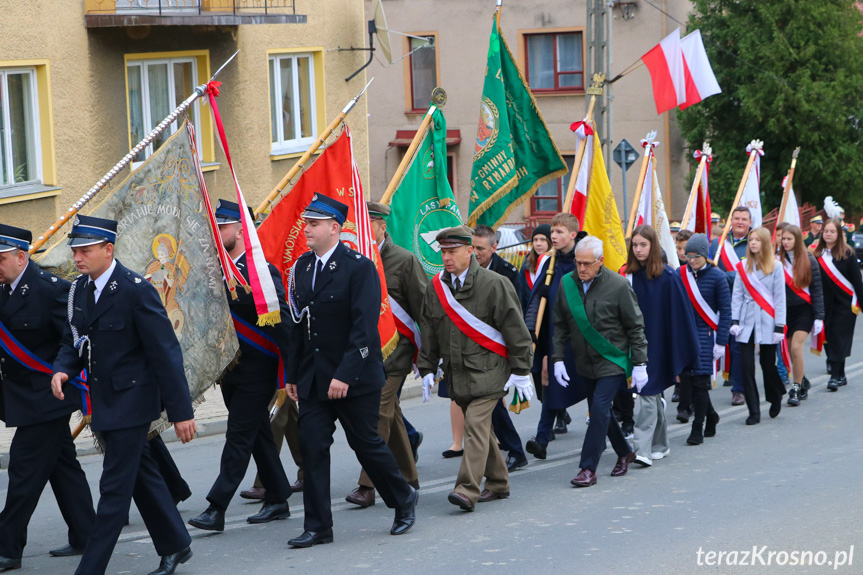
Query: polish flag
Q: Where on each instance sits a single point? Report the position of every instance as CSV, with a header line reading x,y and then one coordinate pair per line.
x,y
584,133
665,64
751,197
700,81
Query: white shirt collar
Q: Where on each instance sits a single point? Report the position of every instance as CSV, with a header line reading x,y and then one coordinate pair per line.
x,y
461,277
102,280
381,245
326,257
15,283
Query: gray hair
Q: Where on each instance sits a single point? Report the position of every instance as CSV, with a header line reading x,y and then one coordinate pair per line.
x,y
590,244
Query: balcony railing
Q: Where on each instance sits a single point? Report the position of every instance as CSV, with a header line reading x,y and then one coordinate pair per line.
x,y
101,13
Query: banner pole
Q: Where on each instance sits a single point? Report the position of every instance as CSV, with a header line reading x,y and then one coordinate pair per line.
x,y
648,151
594,91
727,226
397,177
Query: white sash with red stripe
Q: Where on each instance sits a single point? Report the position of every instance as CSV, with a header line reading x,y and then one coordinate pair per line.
x,y
728,256
803,293
531,277
826,261
470,325
757,290
406,325
710,317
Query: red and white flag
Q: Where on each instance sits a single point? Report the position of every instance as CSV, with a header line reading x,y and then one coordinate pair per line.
x,y
665,64
699,220
651,207
584,133
751,197
699,79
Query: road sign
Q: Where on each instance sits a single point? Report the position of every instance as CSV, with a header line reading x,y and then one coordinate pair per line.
x,y
625,155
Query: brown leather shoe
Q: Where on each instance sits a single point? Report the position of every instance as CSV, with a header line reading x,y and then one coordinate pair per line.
x,y
585,478
623,464
257,493
737,398
461,500
298,486
488,495
362,496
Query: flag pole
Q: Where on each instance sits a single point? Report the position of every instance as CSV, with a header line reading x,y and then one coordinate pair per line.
x,y
594,91
270,200
705,153
127,159
397,177
641,175
756,145
787,190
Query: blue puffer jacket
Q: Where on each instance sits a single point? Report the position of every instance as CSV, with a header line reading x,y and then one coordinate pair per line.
x,y
714,289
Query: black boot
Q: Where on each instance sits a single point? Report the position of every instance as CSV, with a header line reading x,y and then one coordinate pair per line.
x,y
697,435
710,426
794,395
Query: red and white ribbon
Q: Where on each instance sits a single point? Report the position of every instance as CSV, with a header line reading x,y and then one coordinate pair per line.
x,y
802,293
474,328
710,317
826,261
728,256
406,326
759,292
540,262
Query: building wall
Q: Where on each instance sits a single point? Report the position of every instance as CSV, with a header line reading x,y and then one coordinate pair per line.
x,y
463,28
88,91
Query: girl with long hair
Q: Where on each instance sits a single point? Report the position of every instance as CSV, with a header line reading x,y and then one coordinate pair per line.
x,y
804,304
669,326
758,318
842,284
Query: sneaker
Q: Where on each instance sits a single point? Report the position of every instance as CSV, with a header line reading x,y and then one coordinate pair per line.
x,y
737,398
643,461
794,395
656,455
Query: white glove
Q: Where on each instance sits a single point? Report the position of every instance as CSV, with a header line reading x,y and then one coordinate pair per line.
x,y
428,384
777,338
718,351
817,327
735,330
560,374
639,377
523,385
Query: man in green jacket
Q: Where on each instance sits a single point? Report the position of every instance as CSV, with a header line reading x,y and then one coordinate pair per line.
x,y
597,313
406,285
472,321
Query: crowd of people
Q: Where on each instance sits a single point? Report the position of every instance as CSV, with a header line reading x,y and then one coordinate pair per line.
x,y
562,328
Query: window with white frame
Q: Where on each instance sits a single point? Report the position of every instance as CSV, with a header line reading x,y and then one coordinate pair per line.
x,y
293,116
20,148
155,89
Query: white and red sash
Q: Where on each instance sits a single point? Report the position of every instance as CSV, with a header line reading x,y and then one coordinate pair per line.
x,y
710,317
406,326
474,328
826,261
816,342
757,290
531,277
728,256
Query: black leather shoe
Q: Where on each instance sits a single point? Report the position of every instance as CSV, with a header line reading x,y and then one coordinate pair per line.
x,y
169,563
415,445
407,515
842,381
567,419
536,449
7,564
514,462
683,415
450,453
312,538
753,420
210,520
560,427
675,397
833,384
271,512
67,551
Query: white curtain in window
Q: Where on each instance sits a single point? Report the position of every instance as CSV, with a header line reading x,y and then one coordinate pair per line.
x,y
540,51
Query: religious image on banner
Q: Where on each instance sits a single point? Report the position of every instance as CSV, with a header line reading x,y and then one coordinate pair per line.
x,y
423,203
164,234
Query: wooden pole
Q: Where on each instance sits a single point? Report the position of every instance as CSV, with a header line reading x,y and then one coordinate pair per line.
x,y
787,190
543,302
752,155
648,151
270,200
418,137
594,91
693,193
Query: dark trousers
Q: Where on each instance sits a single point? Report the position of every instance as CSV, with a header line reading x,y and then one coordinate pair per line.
x,y
504,430
736,366
684,391
41,453
624,406
177,486
547,415
773,388
698,390
358,417
600,395
837,368
128,471
249,435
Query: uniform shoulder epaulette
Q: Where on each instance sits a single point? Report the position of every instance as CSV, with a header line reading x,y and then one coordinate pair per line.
x,y
46,277
133,277
308,253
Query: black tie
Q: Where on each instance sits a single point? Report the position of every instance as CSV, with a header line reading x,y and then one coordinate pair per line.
x,y
4,295
91,296
318,270
457,284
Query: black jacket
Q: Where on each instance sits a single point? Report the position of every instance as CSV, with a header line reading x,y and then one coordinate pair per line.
x,y
136,361
339,338
35,315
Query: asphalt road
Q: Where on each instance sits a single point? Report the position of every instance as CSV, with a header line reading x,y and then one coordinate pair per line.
x,y
788,485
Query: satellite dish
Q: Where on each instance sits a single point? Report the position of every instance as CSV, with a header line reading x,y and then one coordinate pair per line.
x,y
383,31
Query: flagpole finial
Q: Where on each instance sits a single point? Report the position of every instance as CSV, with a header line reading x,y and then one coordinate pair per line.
x,y
795,153
756,145
706,149
439,97
595,88
228,61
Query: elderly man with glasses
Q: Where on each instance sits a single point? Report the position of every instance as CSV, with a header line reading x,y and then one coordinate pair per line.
x,y
596,312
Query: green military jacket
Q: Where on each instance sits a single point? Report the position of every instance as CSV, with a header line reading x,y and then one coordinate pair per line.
x,y
612,309
472,371
406,284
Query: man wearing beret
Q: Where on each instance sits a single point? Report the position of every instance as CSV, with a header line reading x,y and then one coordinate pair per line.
x,y
336,372
472,321
406,285
33,314
119,331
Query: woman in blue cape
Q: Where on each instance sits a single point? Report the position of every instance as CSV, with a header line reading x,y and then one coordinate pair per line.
x,y
672,339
